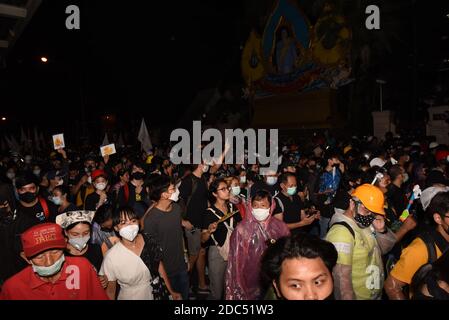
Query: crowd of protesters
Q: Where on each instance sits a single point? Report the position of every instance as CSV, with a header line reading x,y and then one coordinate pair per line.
x,y
354,219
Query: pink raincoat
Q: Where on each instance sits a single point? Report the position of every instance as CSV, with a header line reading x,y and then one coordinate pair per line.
x,y
248,243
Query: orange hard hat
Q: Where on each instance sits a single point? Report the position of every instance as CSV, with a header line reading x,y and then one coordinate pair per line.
x,y
371,197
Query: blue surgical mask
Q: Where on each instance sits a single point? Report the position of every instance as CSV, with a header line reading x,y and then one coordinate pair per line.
x,y
56,200
235,190
291,191
50,270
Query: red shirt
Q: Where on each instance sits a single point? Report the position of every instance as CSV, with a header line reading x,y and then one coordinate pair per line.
x,y
78,281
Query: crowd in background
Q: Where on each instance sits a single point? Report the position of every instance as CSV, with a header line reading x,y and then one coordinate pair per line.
x,y
353,218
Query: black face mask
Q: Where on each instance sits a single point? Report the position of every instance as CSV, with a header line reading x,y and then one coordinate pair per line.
x,y
364,221
27,197
335,165
137,176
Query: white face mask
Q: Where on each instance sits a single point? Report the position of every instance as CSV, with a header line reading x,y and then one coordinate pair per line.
x,y
129,232
243,179
89,179
235,190
261,214
271,181
174,196
79,243
60,182
37,172
205,168
11,175
56,200
100,186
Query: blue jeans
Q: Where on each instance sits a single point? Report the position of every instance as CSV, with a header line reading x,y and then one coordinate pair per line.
x,y
180,283
324,226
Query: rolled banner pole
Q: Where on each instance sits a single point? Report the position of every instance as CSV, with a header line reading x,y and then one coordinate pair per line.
x,y
415,194
227,216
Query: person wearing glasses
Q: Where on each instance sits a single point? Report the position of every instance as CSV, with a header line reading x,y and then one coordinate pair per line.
x,y
216,234
361,238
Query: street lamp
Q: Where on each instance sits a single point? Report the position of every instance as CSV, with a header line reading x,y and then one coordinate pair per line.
x,y
381,83
44,59
3,118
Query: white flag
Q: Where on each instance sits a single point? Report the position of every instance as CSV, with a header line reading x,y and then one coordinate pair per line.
x,y
105,140
144,138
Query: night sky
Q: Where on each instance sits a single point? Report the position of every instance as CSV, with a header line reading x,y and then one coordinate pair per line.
x,y
148,58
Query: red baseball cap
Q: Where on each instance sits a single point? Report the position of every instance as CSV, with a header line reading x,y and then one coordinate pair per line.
x,y
42,237
98,173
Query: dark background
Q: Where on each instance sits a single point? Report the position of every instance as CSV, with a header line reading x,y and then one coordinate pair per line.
x,y
147,58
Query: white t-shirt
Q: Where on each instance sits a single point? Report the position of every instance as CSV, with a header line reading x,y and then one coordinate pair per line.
x,y
124,266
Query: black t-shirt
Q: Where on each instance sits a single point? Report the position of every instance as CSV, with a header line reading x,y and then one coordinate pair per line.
x,y
396,199
138,201
302,174
292,210
91,201
166,228
28,217
198,201
221,232
93,254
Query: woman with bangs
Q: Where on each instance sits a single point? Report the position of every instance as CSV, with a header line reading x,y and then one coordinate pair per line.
x,y
135,263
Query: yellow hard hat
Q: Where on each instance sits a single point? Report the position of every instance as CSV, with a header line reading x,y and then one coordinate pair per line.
x,y
371,197
347,149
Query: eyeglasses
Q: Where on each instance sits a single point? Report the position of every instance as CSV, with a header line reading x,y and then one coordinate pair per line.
x,y
223,189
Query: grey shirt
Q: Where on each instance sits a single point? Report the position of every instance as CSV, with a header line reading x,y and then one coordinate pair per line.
x,y
166,228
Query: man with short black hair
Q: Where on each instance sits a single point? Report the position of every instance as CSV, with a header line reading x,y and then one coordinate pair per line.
x,y
31,209
290,208
164,222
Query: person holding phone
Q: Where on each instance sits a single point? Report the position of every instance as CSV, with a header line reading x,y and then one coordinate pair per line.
x,y
290,208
